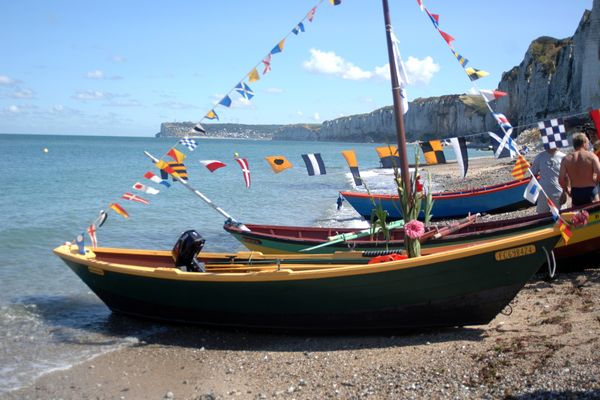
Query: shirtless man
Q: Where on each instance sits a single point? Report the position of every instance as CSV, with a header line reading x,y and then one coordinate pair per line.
x,y
579,172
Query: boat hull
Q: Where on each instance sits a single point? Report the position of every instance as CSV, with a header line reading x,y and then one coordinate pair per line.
x,y
463,287
490,199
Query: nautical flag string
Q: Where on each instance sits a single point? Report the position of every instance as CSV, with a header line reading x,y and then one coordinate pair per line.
x,y
212,165
553,133
245,170
504,144
520,168
133,197
145,189
119,210
565,231
532,191
278,163
189,143
459,145
314,164
176,155
80,244
350,157
150,176
91,231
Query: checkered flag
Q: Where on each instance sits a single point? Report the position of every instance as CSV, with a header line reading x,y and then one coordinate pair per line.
x,y
189,143
553,133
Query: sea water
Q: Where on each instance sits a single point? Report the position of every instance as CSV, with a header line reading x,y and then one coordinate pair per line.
x,y
53,187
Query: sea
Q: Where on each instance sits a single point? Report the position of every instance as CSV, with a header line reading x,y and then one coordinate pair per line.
x,y
54,186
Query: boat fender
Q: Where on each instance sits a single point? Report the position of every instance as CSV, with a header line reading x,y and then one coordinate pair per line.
x,y
189,244
387,258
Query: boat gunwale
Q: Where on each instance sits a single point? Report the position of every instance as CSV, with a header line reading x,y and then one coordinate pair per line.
x,y
447,195
67,253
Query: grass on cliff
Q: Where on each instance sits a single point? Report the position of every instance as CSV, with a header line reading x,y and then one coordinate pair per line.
x,y
545,51
475,102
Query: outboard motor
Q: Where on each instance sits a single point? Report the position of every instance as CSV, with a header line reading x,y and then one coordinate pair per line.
x,y
184,252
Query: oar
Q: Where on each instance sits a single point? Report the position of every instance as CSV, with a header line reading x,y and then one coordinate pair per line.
x,y
344,237
447,230
204,198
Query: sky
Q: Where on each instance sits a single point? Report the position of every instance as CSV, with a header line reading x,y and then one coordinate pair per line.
x,y
121,68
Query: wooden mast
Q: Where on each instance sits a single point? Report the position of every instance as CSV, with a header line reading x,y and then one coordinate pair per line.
x,y
398,112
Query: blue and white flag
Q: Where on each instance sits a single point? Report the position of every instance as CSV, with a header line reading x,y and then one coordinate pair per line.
x,y
80,244
532,191
225,101
298,28
505,143
189,143
244,90
314,164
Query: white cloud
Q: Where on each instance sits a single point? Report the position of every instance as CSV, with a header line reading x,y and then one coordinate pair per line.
x,y
96,74
99,74
5,80
58,108
90,95
118,59
299,113
317,117
13,109
420,71
329,63
23,94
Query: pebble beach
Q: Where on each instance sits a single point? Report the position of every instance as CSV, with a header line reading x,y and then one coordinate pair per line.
x,y
546,344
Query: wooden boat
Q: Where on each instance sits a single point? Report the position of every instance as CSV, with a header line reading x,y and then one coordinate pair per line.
x,y
293,239
503,197
338,292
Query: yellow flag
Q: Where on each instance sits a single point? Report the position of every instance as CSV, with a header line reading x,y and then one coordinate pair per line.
x,y
253,76
278,163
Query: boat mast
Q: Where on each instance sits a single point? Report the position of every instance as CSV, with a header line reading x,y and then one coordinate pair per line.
x,y
398,112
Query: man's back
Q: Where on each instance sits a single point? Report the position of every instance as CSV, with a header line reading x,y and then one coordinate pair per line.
x,y
580,167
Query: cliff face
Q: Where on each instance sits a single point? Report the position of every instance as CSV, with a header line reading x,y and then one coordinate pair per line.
x,y
556,77
425,118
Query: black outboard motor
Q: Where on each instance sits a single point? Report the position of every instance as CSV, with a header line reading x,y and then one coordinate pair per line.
x,y
184,252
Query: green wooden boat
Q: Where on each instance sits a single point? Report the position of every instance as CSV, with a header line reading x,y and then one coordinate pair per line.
x,y
337,292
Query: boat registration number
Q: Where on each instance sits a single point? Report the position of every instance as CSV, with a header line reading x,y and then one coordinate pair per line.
x,y
515,252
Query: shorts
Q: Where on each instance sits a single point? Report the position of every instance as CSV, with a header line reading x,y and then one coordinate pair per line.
x,y
583,195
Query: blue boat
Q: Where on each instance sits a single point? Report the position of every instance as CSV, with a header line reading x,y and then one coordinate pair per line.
x,y
488,199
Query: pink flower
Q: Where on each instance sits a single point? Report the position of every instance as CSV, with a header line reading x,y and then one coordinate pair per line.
x,y
414,229
581,218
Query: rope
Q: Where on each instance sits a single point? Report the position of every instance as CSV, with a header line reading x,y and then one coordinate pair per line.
x,y
551,265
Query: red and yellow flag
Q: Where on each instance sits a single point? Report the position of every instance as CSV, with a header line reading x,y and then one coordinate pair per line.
x,y
176,155
520,168
119,210
565,231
